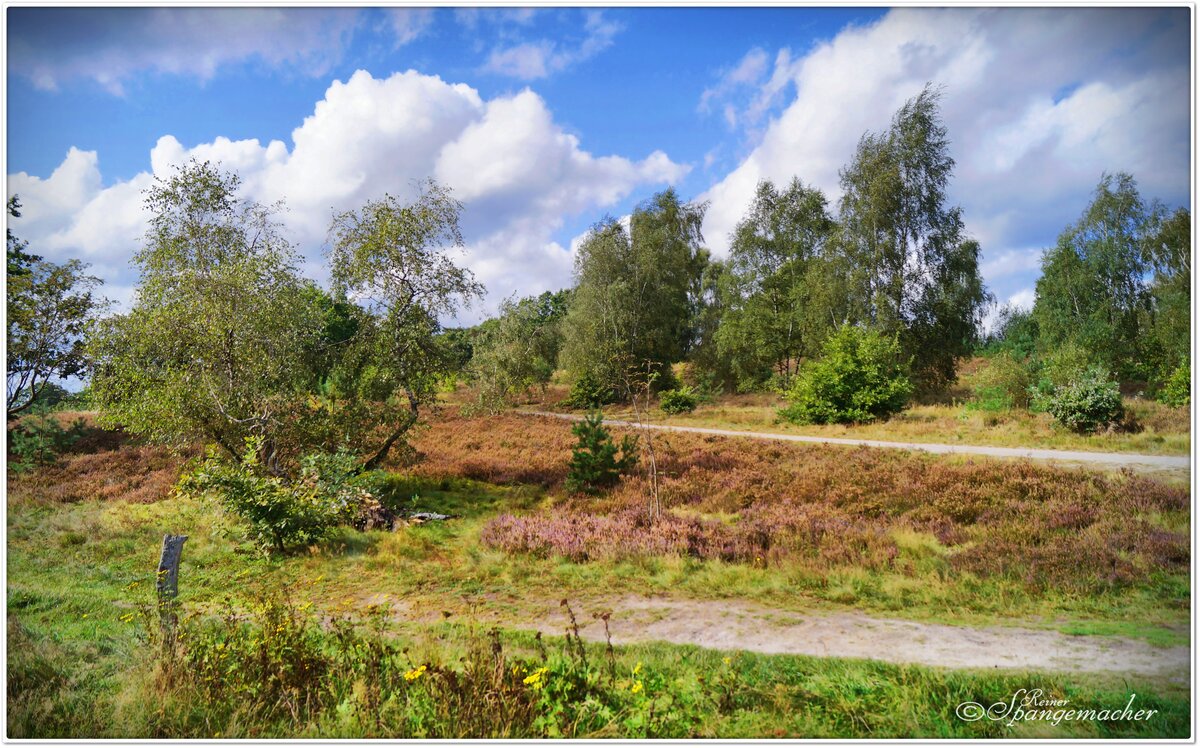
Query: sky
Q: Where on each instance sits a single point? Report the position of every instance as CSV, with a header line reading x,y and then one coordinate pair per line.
x,y
545,120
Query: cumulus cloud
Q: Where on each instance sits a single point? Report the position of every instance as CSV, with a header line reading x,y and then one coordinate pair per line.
x,y
107,45
532,60
1038,103
517,172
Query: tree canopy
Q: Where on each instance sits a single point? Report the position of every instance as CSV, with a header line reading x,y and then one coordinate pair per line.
x,y
213,347
637,291
910,270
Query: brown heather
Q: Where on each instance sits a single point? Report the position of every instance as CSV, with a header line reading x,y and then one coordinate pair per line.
x,y
101,466
756,502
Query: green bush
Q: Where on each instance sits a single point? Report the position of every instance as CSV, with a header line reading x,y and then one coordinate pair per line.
x,y
590,391
682,400
1001,384
1177,390
278,513
39,440
594,462
1089,402
859,377
1059,368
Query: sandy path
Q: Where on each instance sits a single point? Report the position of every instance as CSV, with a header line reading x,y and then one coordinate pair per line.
x,y
1108,459
736,624
743,625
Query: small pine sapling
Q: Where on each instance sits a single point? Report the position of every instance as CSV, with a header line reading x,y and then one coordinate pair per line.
x,y
594,462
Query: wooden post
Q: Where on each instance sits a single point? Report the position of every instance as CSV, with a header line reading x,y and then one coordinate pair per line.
x,y
167,585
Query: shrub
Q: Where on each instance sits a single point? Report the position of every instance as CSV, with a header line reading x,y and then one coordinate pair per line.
x,y
860,377
682,400
39,440
594,462
352,495
283,672
1002,384
1089,402
278,514
1177,390
1057,369
590,391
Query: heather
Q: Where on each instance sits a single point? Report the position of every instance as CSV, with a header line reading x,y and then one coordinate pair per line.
x,y
759,503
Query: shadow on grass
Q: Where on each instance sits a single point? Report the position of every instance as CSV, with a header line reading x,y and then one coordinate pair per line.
x,y
460,497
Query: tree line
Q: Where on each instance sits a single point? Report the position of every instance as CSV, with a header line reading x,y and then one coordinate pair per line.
x,y
227,341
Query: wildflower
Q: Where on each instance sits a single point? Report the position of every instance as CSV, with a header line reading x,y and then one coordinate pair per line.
x,y
537,679
637,668
636,687
412,675
728,661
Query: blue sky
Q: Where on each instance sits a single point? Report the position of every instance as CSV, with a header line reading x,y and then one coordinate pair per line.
x,y
544,120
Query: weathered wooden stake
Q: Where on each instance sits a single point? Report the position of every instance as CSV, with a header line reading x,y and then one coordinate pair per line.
x,y
167,585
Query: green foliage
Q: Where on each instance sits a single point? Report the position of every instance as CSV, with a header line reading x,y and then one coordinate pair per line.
x,y
50,310
1016,332
518,350
37,440
217,347
280,671
18,259
394,259
594,463
1177,390
1168,249
1092,291
682,400
860,377
907,267
637,292
770,319
1057,369
278,513
589,391
1002,383
1089,402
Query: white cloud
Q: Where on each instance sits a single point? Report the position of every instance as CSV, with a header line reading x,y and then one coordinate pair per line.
x,y
748,72
538,59
1023,299
1038,103
408,24
1011,262
517,172
108,45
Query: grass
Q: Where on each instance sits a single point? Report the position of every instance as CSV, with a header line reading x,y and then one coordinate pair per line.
x,y
1165,430
84,536
278,673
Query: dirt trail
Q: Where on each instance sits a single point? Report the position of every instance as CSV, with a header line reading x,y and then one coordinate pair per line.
x,y
744,625
737,624
1108,459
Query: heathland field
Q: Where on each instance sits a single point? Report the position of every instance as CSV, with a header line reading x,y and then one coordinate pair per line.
x,y
462,626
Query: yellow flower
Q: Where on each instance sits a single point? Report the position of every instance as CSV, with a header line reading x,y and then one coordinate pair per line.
x,y
728,661
637,668
537,679
636,687
412,675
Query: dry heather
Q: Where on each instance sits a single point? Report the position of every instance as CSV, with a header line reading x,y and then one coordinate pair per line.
x,y
104,466
764,503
